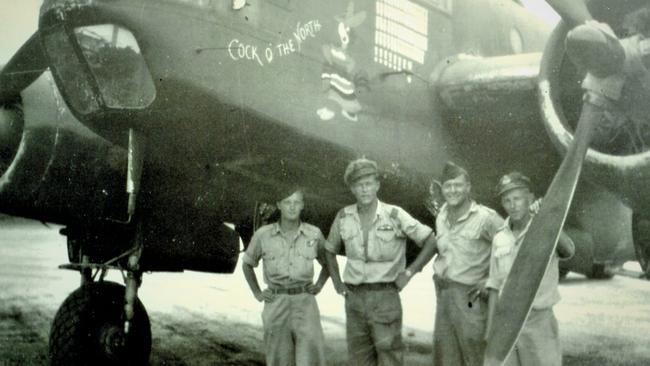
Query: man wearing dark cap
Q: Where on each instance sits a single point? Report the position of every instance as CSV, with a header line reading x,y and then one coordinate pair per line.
x,y
465,230
374,235
292,330
617,82
539,342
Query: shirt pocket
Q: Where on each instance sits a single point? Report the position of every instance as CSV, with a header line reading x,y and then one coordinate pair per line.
x,y
469,240
306,252
309,249
271,263
351,236
388,243
349,229
272,255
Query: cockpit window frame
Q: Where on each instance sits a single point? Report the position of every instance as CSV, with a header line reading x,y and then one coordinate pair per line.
x,y
90,78
68,31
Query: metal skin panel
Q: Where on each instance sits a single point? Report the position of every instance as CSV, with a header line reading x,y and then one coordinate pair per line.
x,y
220,118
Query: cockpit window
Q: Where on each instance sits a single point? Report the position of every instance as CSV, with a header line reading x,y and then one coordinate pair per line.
x,y
115,60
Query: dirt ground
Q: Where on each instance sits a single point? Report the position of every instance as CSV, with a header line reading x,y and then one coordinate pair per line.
x,y
206,319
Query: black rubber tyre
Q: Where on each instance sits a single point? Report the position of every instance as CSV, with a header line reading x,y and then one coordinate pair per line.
x,y
88,329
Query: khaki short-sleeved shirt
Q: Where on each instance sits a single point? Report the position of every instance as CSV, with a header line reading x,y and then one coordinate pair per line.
x,y
285,262
505,247
464,247
381,257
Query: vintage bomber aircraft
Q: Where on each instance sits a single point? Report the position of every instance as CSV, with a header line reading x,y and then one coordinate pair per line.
x,y
143,126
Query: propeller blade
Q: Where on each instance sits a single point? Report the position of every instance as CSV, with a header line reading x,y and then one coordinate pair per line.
x,y
537,247
22,69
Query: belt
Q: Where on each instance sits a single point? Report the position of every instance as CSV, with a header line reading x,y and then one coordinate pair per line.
x,y
377,286
289,290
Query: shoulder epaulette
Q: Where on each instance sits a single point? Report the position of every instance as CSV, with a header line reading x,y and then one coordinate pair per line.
x,y
341,213
313,229
394,213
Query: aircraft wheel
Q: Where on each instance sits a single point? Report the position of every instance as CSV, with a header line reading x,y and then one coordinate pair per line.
x,y
88,329
641,235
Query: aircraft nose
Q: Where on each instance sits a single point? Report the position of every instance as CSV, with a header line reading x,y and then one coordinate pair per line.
x,y
11,130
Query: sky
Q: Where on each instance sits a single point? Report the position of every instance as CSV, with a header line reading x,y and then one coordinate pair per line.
x,y
19,19
542,10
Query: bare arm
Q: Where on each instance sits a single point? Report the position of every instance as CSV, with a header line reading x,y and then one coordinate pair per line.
x,y
333,267
573,12
324,272
492,307
565,246
251,279
429,249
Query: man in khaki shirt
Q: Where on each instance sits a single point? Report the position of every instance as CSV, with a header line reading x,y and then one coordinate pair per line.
x,y
292,330
465,230
374,235
539,342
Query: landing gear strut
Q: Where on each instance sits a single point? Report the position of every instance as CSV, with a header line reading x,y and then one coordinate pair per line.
x,y
104,323
641,235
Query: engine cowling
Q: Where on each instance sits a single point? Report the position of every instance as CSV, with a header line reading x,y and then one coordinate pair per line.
x,y
55,169
560,98
626,174
52,168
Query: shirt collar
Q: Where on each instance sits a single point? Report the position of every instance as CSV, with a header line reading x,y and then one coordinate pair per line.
x,y
506,226
354,209
444,211
277,230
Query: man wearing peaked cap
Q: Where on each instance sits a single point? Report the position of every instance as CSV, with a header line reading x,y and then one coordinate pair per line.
x,y
512,181
464,232
374,235
538,343
359,168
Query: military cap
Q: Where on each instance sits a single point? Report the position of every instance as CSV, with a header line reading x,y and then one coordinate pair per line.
x,y
358,169
451,171
512,181
283,192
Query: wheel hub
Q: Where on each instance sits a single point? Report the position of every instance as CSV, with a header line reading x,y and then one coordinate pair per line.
x,y
112,341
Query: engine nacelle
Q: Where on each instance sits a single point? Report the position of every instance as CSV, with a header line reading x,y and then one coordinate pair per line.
x,y
560,96
52,168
